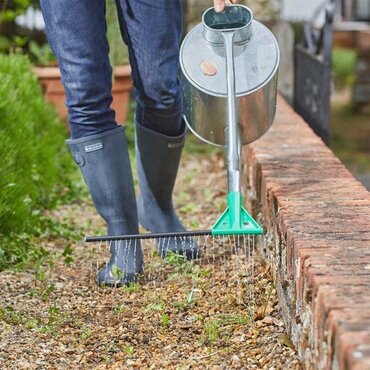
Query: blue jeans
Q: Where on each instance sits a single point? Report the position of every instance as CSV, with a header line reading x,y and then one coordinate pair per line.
x,y
76,30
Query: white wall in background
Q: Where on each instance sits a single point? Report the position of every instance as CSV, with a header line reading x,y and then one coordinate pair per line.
x,y
31,19
298,10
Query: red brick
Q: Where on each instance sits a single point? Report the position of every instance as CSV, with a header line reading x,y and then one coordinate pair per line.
x,y
318,217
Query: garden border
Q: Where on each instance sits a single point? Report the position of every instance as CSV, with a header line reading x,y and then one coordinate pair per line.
x,y
317,218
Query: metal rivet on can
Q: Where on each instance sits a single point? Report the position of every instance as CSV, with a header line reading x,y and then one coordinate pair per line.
x,y
208,68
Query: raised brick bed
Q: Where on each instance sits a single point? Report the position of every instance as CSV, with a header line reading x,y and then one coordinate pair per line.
x,y
317,217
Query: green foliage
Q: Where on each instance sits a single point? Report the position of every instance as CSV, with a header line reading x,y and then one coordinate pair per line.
x,y
132,287
165,320
189,301
85,333
41,54
129,350
344,61
35,167
118,52
10,10
211,331
155,307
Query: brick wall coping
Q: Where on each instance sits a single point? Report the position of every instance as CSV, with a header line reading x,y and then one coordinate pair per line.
x,y
317,218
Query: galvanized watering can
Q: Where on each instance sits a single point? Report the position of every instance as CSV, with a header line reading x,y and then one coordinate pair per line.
x,y
203,61
229,72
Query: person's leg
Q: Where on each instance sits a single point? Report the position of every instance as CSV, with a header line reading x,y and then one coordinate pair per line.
x,y
76,32
152,30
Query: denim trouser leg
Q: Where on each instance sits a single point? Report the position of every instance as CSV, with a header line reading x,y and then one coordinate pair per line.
x,y
76,31
152,30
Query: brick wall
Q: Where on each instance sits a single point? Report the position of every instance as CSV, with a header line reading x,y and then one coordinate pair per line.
x,y
317,218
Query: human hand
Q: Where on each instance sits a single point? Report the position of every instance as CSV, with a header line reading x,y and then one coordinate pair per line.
x,y
220,4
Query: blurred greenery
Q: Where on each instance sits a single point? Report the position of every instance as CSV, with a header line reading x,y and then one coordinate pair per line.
x,y
118,51
40,53
9,10
350,132
36,171
344,62
350,129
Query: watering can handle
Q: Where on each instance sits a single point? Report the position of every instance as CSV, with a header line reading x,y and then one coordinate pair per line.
x,y
233,143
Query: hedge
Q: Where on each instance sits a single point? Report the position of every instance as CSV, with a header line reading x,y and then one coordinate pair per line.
x,y
34,163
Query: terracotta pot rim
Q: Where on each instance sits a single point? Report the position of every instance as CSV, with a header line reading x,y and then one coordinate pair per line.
x,y
54,72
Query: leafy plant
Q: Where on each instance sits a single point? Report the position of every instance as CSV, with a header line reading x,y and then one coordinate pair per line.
x,y
54,319
176,259
41,54
35,167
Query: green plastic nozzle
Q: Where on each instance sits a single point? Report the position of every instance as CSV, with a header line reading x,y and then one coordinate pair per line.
x,y
236,220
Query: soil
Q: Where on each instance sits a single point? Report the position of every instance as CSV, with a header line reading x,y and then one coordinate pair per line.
x,y
220,312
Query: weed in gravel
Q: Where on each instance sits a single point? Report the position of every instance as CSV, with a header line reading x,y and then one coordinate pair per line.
x,y
32,324
188,208
175,259
120,308
182,198
85,333
211,332
129,350
181,264
54,319
157,306
67,254
235,319
194,224
9,315
165,320
45,293
13,317
188,302
132,287
112,348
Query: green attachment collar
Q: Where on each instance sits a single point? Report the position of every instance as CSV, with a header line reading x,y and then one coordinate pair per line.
x,y
236,220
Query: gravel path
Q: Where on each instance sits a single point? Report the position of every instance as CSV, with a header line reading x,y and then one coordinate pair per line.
x,y
218,313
